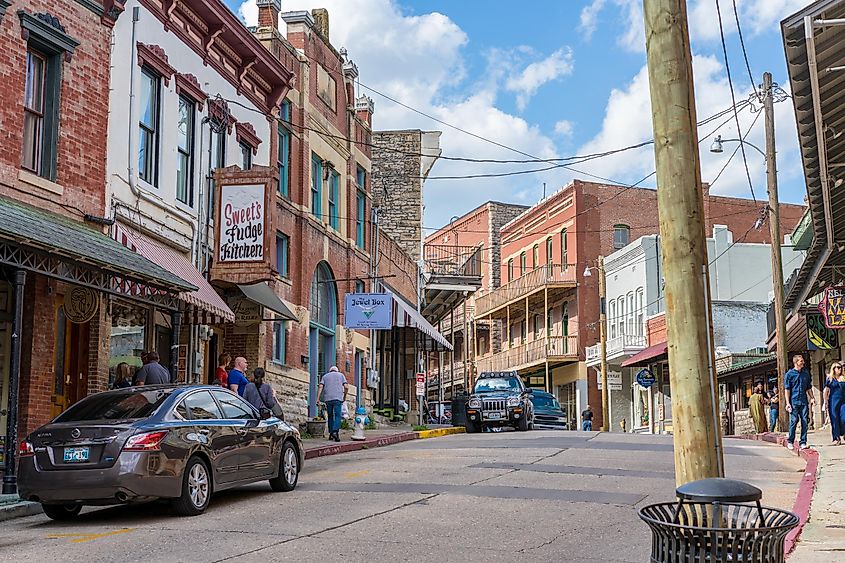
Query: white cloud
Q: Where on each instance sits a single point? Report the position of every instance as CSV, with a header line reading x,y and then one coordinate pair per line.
x,y
589,18
536,74
564,128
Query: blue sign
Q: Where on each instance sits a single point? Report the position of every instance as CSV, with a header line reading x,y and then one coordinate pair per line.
x,y
368,311
645,378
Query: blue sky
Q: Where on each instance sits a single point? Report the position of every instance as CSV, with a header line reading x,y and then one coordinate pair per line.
x,y
552,78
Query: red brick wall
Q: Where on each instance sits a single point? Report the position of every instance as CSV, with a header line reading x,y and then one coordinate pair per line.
x,y
656,329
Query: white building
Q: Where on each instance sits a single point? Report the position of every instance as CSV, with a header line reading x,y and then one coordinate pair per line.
x,y
741,290
191,90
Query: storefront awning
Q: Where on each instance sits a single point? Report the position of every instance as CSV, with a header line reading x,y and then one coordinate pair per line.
x,y
410,317
59,247
262,294
202,299
648,355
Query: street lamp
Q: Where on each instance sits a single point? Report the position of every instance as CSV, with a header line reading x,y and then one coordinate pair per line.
x,y
605,391
717,148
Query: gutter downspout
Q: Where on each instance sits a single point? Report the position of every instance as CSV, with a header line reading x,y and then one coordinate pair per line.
x,y
132,150
809,38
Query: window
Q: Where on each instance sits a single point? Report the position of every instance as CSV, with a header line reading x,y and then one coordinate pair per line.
x,y
620,320
284,151
621,236
612,320
564,320
122,405
523,266
631,312
360,217
563,250
282,253
549,259
316,186
361,178
201,405
246,156
185,149
510,269
33,117
148,127
549,322
279,341
234,408
218,146
326,87
334,188
538,323
512,329
535,257
360,286
640,313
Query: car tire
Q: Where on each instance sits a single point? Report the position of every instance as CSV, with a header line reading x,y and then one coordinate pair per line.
x,y
472,427
522,425
62,512
288,474
196,489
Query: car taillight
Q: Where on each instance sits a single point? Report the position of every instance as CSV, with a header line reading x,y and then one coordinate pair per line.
x,y
26,449
146,442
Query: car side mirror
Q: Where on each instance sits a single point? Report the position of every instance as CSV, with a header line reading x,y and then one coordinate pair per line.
x,y
264,414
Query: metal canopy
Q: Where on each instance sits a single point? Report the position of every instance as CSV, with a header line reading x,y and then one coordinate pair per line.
x,y
262,294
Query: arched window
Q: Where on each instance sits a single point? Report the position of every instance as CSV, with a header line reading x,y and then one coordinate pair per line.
x,y
631,313
621,236
322,352
640,312
323,304
612,320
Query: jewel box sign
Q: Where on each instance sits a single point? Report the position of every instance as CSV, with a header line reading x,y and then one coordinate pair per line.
x,y
241,225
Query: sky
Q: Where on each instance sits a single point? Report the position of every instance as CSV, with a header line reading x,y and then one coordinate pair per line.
x,y
554,79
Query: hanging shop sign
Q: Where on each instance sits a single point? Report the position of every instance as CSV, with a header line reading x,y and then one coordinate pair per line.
x,y
832,307
819,337
645,378
614,380
368,311
80,305
247,312
242,223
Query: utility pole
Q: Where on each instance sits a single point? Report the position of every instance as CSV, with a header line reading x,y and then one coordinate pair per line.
x,y
605,390
697,437
774,230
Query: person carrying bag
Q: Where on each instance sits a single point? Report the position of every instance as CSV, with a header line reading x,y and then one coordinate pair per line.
x,y
261,395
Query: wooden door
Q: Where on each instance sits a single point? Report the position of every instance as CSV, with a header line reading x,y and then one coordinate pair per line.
x,y
71,363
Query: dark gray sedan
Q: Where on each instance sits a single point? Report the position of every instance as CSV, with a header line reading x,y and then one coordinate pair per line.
x,y
156,442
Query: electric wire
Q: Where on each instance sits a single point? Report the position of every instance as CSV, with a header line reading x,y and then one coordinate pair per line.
x,y
744,52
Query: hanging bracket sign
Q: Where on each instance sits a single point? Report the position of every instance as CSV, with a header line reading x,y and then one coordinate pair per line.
x,y
645,378
832,307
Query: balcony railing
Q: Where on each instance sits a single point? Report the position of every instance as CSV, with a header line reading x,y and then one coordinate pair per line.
x,y
616,347
448,375
446,260
445,323
524,285
531,353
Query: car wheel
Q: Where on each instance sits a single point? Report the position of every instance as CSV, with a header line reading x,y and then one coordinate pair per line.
x,y
288,470
61,512
196,489
472,427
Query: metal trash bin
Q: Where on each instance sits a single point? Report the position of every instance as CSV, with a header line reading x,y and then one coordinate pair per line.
x,y
459,409
713,520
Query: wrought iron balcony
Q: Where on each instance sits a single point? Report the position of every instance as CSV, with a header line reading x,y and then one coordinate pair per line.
x,y
552,348
549,275
452,261
619,347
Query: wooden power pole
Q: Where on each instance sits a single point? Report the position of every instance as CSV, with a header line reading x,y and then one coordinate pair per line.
x,y
774,231
696,433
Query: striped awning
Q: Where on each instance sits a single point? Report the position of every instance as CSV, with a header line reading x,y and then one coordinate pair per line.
x,y
406,315
205,306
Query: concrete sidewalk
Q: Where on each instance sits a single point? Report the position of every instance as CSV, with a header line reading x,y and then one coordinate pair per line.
x,y
824,535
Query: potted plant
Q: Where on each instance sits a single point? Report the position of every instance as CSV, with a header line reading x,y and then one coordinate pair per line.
x,y
316,427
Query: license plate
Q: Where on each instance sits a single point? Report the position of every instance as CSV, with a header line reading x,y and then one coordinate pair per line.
x,y
76,455
494,415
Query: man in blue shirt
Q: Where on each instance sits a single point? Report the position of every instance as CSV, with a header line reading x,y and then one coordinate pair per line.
x,y
237,381
798,389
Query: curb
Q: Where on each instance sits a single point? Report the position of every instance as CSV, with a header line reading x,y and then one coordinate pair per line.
x,y
19,510
804,498
438,432
322,451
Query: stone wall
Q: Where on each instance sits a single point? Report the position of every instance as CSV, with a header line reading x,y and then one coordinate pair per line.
x,y
743,424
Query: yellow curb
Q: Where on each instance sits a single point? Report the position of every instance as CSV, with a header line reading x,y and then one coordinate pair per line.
x,y
437,432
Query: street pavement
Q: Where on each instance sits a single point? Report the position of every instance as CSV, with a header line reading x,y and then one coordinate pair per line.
x,y
541,496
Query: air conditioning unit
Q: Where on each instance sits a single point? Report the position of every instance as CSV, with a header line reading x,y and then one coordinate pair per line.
x,y
372,378
205,332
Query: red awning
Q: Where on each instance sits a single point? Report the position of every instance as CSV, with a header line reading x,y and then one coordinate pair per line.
x,y
647,355
204,299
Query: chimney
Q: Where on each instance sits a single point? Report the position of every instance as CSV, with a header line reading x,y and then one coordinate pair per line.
x,y
364,109
268,13
321,22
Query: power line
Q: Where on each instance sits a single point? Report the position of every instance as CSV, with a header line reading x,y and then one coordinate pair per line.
x,y
744,52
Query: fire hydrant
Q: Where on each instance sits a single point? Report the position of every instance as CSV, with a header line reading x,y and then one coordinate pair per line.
x,y
361,420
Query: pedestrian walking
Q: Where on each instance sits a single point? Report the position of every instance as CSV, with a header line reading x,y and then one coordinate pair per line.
x,y
774,403
152,372
757,408
798,390
122,376
221,376
333,388
587,419
236,380
261,395
833,400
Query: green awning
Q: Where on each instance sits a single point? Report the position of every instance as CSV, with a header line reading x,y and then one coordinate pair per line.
x,y
74,242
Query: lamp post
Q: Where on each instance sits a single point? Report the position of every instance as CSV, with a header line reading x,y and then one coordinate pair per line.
x,y
605,391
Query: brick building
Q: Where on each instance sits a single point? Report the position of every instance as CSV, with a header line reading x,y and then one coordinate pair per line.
x,y
62,271
548,308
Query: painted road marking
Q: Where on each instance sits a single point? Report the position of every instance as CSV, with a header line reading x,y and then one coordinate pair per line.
x,y
80,538
353,474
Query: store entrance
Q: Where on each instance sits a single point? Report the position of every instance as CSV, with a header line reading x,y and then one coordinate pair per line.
x,y
71,375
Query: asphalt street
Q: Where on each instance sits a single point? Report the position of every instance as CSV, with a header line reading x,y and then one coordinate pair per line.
x,y
538,496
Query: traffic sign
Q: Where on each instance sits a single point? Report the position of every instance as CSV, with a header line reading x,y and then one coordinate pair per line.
x,y
420,385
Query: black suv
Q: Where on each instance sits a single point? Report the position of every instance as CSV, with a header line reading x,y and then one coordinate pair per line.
x,y
499,399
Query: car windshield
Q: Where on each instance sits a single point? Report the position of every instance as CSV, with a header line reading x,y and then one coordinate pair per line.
x,y
545,402
496,384
116,406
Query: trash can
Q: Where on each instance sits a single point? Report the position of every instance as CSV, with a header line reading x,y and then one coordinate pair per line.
x,y
459,409
717,520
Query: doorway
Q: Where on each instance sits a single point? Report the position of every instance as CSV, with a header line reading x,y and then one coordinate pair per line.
x,y
323,323
71,374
